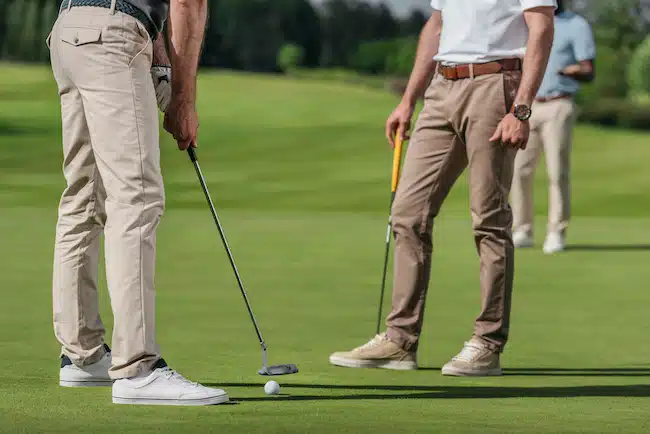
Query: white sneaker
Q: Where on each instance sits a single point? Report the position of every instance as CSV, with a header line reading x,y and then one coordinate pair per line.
x,y
164,386
522,239
554,243
96,374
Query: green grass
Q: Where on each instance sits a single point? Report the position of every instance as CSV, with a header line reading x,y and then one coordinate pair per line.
x,y
299,172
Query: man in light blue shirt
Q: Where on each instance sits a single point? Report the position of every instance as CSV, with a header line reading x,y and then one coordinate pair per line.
x,y
554,112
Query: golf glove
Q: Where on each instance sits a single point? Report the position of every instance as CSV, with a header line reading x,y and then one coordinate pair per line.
x,y
162,82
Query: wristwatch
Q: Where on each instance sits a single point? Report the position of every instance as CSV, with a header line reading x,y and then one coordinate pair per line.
x,y
522,112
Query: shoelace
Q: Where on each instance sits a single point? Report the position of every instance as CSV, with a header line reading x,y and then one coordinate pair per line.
x,y
170,374
469,352
373,342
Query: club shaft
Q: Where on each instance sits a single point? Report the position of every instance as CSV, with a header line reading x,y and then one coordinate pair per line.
x,y
197,167
385,269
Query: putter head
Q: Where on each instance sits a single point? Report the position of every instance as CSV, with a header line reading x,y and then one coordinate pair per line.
x,y
278,370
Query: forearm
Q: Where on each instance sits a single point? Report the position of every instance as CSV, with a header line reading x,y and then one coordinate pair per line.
x,y
186,28
538,50
582,72
424,64
160,56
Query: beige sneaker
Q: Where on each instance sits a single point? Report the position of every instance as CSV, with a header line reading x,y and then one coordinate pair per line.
x,y
475,360
380,352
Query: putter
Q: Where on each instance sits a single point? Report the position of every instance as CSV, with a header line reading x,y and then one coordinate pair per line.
x,y
397,161
266,369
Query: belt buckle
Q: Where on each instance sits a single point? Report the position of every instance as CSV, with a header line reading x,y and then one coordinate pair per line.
x,y
452,72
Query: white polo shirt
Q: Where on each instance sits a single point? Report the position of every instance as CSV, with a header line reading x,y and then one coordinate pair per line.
x,y
479,31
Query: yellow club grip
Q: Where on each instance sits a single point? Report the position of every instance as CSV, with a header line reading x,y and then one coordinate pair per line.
x,y
397,161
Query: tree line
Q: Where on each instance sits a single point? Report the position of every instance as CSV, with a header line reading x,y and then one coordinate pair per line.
x,y
246,34
365,37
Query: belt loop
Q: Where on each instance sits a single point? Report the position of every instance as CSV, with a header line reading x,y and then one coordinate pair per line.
x,y
113,3
69,5
437,71
471,71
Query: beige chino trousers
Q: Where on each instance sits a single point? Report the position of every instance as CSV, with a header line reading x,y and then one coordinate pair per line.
x,y
452,133
101,61
552,132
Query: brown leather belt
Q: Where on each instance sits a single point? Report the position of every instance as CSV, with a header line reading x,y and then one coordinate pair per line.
x,y
459,72
554,98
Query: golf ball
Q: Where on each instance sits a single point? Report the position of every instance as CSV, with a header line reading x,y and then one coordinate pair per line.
x,y
272,388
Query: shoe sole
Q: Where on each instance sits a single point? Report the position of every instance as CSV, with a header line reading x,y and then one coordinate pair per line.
x,y
453,372
370,364
213,400
91,383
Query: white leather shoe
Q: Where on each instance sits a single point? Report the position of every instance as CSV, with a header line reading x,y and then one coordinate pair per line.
x,y
164,386
96,374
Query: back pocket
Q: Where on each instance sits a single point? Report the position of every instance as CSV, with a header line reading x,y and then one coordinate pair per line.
x,y
80,35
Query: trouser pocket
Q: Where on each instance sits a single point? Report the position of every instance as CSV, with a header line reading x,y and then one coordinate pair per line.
x,y
511,82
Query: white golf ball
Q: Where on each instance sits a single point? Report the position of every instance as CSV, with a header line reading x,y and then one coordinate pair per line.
x,y
272,388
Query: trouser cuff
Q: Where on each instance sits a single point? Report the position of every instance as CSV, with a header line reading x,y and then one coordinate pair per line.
x,y
402,339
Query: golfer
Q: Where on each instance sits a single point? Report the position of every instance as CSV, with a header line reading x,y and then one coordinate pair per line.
x,y
487,59
551,130
111,68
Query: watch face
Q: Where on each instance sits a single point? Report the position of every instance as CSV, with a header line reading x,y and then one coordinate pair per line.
x,y
522,112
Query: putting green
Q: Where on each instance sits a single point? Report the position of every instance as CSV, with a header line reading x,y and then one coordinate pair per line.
x,y
300,175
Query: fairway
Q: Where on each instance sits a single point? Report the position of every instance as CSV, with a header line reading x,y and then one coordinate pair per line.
x,y
299,172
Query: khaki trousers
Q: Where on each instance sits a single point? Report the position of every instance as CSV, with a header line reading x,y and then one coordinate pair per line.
x,y
452,133
101,61
551,130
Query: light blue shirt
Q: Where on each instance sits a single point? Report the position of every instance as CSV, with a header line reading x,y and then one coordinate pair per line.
x,y
573,43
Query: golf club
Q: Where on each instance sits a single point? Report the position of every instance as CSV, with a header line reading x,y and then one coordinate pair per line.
x,y
266,369
397,161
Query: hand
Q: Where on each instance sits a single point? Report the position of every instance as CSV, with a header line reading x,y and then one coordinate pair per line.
x,y
162,82
512,132
399,120
571,70
182,122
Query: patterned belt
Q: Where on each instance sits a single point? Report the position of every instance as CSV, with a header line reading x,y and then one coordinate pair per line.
x,y
120,6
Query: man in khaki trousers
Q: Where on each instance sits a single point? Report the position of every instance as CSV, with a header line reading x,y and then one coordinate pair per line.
x,y
554,113
110,64
475,115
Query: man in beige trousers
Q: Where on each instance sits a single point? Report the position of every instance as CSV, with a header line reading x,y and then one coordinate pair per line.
x,y
475,115
551,131
111,67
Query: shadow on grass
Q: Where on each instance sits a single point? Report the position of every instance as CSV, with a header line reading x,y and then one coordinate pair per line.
x,y
15,130
446,392
569,372
608,247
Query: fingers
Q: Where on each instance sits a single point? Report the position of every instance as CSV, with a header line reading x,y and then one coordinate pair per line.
x,y
186,141
497,136
184,144
395,127
513,140
523,144
404,128
391,128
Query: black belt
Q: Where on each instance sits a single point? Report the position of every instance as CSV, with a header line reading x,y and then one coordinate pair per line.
x,y
120,6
